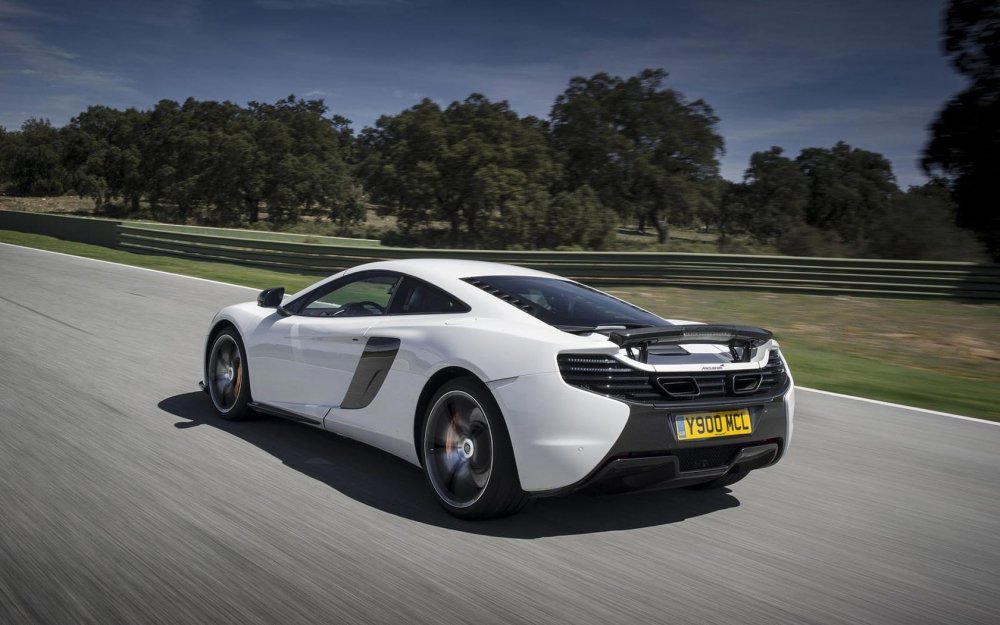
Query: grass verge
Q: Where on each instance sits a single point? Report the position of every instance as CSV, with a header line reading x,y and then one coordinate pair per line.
x,y
233,274
940,355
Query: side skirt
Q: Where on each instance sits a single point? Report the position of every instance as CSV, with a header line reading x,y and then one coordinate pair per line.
x,y
273,410
284,414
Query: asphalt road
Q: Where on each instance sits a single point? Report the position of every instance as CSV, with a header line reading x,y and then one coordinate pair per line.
x,y
124,500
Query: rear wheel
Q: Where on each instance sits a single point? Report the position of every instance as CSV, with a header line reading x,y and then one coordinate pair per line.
x,y
227,382
468,459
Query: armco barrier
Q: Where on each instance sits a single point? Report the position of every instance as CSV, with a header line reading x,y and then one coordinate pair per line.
x,y
262,235
95,231
103,231
832,276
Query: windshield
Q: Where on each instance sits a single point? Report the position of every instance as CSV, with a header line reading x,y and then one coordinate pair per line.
x,y
566,305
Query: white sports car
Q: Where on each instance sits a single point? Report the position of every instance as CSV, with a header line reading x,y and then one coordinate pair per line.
x,y
505,383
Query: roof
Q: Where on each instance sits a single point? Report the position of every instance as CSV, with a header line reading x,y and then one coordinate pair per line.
x,y
432,269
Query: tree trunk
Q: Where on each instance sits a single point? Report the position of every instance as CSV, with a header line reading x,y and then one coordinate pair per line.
x,y
662,228
472,234
253,210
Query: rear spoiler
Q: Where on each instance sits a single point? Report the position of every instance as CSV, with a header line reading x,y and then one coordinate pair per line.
x,y
742,340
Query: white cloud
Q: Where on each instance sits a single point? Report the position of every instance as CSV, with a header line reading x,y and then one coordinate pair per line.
x,y
14,9
53,64
45,80
34,59
803,121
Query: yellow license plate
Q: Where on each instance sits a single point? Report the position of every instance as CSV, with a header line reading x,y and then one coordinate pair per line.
x,y
713,424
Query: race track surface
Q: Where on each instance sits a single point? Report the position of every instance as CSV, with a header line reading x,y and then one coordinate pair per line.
x,y
124,500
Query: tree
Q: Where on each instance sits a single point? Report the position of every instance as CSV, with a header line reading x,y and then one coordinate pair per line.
x,y
218,137
920,225
827,201
218,162
475,165
6,144
303,162
165,167
576,217
103,152
32,160
734,213
402,165
965,145
644,149
849,190
775,195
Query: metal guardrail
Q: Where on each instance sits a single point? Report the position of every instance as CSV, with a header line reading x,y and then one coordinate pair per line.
x,y
263,235
826,276
94,231
103,231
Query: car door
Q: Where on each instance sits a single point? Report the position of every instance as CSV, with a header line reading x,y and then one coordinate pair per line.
x,y
304,356
383,393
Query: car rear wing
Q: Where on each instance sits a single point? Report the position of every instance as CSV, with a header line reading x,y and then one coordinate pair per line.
x,y
741,340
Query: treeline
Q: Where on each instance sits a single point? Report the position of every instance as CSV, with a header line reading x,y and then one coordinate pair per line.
x,y
842,201
476,174
208,162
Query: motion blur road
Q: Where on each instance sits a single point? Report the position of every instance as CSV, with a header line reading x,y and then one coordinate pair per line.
x,y
124,500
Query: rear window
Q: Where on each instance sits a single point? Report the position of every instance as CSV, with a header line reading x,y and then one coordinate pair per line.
x,y
563,304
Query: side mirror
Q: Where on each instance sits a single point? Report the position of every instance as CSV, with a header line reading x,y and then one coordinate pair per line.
x,y
271,298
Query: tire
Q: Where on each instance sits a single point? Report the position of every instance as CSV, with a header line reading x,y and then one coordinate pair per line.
x,y
467,454
722,482
227,377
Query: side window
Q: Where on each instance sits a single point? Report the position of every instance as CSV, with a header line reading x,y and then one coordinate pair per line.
x,y
367,295
416,298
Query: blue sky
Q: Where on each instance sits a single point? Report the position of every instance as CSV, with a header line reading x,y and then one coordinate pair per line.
x,y
778,72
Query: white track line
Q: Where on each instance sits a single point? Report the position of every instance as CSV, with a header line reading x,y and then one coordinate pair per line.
x,y
110,262
798,388
892,405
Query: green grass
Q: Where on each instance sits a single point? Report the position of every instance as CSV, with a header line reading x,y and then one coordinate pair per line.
x,y
223,272
942,355
868,377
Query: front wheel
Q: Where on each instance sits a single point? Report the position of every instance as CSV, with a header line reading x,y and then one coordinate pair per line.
x,y
468,459
227,382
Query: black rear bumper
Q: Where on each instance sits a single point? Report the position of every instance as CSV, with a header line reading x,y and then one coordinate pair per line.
x,y
647,472
649,455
